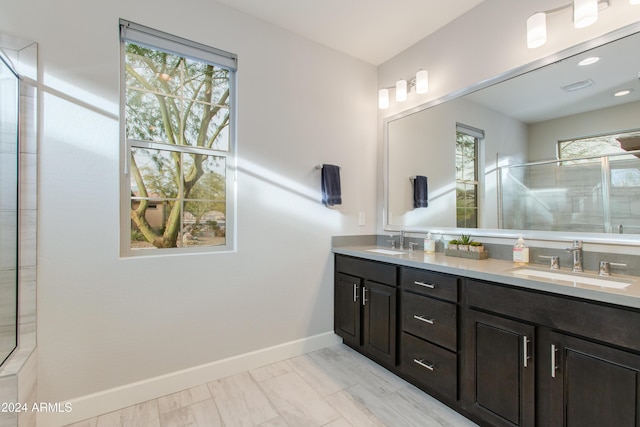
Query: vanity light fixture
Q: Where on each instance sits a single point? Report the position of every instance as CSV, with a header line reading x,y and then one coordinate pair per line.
x,y
585,13
403,87
401,90
383,99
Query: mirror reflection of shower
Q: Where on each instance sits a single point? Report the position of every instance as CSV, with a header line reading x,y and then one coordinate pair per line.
x,y
9,149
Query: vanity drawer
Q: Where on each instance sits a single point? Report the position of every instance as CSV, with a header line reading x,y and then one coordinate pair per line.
x,y
430,365
431,319
429,283
372,270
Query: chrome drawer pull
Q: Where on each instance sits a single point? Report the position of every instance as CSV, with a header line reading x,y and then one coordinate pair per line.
x,y
426,285
554,366
423,319
424,365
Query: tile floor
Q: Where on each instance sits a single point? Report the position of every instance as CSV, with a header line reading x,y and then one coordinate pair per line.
x,y
334,386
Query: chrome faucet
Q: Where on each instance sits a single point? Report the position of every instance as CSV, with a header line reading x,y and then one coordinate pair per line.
x,y
401,242
576,250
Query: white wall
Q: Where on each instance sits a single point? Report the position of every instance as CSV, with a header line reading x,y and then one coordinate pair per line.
x,y
105,322
487,41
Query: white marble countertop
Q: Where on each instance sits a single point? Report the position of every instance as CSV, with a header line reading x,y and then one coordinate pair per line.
x,y
502,271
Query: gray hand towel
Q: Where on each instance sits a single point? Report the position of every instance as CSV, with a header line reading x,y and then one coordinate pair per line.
x,y
331,193
420,192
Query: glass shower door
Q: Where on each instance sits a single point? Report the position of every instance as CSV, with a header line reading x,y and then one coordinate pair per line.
x,y
9,109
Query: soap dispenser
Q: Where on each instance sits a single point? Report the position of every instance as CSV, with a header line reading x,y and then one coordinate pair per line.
x,y
520,252
429,244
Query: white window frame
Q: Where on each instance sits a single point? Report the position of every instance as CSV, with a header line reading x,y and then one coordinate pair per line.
x,y
479,136
155,39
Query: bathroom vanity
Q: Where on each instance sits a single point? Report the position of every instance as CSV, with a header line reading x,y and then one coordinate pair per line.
x,y
501,347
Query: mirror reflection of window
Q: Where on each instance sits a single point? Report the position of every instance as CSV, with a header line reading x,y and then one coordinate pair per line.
x,y
614,143
468,141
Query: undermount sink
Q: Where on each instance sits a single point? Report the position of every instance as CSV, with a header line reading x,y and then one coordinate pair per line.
x,y
386,251
572,278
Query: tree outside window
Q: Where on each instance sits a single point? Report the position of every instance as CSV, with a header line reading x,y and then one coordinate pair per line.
x,y
178,139
466,179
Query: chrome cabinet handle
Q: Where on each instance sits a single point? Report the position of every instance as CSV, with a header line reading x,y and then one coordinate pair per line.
x,y
525,352
426,285
423,319
424,365
364,295
355,292
554,367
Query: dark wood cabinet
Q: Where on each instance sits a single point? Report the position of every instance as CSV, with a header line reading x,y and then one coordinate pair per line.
x,y
590,384
429,324
365,301
379,322
502,355
499,369
586,358
347,308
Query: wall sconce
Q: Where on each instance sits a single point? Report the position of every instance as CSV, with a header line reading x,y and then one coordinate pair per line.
x,y
403,87
585,13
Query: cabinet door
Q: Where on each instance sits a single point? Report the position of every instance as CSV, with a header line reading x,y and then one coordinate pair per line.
x,y
592,384
379,328
499,369
347,308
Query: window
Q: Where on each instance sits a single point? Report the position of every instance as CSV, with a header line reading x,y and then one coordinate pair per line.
x,y
467,148
594,146
179,149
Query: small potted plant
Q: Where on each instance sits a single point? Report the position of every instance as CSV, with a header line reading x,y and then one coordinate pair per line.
x,y
453,244
476,247
464,241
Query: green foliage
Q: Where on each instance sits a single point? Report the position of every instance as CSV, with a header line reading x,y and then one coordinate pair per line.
x,y
178,101
465,239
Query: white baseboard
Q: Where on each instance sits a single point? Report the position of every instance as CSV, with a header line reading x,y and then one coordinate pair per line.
x,y
95,404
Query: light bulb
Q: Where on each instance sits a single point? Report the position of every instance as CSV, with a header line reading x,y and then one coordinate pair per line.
x,y
401,90
536,30
383,99
422,81
585,13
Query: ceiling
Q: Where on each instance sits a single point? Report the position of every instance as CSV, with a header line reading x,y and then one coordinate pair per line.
x,y
618,69
371,30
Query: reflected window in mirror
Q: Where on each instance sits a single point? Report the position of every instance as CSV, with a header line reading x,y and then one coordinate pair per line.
x,y
468,142
601,145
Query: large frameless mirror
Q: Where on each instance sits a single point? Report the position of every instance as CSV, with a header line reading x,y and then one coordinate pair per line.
x,y
523,117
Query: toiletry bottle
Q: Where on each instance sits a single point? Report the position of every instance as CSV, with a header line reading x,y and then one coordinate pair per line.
x,y
429,244
520,252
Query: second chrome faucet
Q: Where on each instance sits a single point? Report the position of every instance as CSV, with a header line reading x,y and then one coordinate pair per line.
x,y
576,250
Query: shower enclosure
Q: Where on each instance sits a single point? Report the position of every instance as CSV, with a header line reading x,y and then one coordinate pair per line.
x,y
9,112
589,194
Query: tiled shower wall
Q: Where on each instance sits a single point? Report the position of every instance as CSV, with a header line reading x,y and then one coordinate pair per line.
x,y
18,374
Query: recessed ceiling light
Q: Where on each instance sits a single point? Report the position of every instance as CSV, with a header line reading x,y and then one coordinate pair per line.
x,y
623,92
589,61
